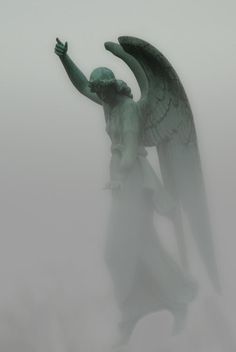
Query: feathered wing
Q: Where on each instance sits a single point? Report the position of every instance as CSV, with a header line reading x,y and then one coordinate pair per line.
x,y
168,124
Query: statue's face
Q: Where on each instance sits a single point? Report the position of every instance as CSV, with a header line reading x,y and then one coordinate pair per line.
x,y
106,93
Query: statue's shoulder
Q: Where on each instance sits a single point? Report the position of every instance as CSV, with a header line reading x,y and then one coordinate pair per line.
x,y
129,106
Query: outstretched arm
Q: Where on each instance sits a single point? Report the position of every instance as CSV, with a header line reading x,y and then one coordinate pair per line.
x,y
76,76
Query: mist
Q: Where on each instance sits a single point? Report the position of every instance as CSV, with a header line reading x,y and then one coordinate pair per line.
x,y
56,292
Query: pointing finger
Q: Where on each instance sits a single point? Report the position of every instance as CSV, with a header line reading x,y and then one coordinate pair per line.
x,y
58,40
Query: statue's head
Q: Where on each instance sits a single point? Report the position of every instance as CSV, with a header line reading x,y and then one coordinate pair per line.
x,y
103,82
101,74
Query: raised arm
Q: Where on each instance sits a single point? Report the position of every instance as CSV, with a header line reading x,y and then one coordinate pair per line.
x,y
76,76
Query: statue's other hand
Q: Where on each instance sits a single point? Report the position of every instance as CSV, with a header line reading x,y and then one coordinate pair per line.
x,y
60,48
114,185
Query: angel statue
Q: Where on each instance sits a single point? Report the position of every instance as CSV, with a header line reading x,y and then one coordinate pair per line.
x,y
145,276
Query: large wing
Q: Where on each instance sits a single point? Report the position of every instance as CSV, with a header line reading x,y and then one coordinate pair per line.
x,y
168,124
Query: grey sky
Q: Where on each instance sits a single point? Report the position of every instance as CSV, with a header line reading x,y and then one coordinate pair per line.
x,y
54,152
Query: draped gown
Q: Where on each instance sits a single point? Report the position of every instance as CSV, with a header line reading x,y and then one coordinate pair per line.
x,y
145,277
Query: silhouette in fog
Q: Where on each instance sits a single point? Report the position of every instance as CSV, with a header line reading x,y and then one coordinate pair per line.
x,y
145,277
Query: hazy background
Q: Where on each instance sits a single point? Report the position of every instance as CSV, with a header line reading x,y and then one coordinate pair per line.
x,y
56,294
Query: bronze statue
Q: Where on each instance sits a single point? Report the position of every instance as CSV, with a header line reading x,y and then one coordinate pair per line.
x,y
145,277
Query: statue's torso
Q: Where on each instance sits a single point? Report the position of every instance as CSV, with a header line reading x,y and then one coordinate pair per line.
x,y
113,124
114,118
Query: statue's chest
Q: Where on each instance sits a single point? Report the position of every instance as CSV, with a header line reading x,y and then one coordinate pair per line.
x,y
114,125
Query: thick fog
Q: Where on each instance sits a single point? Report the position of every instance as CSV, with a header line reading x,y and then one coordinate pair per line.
x,y
56,292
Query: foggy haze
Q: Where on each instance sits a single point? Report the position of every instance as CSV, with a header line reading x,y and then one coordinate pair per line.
x,y
56,293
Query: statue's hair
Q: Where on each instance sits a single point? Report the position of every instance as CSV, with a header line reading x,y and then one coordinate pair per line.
x,y
123,88
120,86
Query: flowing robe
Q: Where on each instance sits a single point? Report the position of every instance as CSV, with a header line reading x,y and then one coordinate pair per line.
x,y
145,277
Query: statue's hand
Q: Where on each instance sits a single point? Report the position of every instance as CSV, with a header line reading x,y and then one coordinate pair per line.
x,y
60,48
114,185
